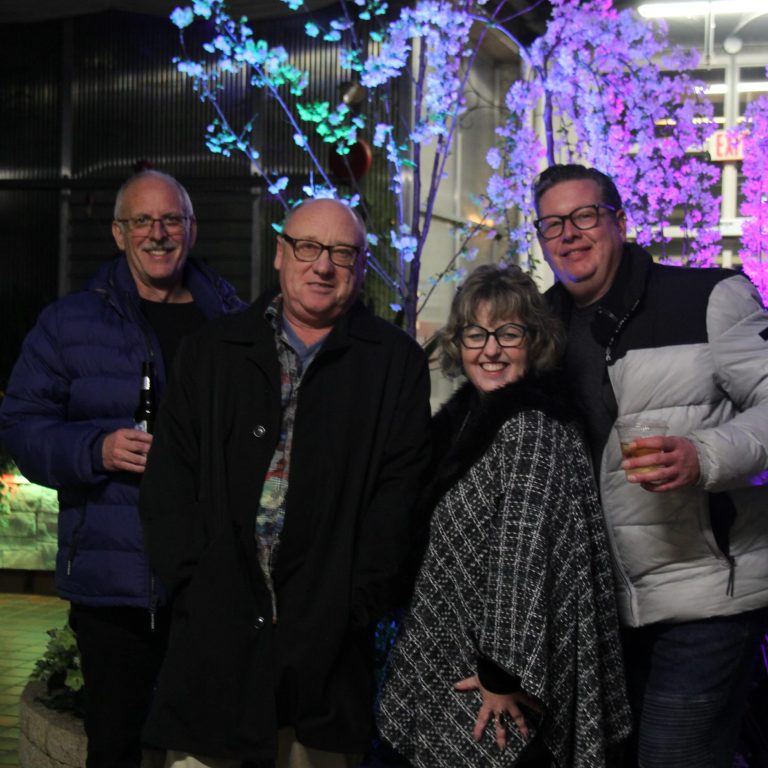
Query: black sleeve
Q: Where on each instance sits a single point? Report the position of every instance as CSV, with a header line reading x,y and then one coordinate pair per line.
x,y
494,679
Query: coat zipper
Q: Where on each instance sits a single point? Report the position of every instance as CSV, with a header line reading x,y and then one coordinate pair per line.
x,y
142,326
153,601
74,543
620,323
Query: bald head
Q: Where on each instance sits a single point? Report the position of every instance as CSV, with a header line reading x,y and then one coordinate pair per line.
x,y
337,208
316,293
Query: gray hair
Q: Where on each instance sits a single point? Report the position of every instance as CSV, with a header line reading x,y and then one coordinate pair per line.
x,y
186,202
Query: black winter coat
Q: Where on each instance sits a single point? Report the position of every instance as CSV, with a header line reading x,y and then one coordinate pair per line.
x,y
360,444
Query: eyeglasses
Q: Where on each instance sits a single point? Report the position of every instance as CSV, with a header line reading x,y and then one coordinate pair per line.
x,y
310,250
508,335
583,218
172,223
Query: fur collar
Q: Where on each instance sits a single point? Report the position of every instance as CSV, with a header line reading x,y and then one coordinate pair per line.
x,y
464,428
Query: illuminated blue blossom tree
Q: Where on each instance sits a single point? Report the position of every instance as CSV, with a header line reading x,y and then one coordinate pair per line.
x,y
609,99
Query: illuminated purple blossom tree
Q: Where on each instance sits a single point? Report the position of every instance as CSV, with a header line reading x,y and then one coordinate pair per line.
x,y
614,97
606,102
754,238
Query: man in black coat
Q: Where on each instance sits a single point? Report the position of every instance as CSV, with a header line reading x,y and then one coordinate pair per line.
x,y
276,507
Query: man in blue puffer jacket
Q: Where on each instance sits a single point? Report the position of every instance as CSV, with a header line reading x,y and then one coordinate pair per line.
x,y
67,419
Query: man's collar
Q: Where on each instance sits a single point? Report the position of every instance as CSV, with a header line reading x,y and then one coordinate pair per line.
x,y
283,327
628,287
628,283
624,295
630,280
356,320
274,311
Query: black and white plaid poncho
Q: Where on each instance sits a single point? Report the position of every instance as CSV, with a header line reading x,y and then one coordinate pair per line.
x,y
516,569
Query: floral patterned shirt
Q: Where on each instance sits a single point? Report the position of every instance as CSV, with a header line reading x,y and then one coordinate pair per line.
x,y
294,358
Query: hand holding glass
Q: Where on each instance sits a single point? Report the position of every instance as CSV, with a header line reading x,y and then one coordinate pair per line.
x,y
632,429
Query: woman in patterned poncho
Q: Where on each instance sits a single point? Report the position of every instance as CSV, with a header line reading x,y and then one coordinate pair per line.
x,y
509,654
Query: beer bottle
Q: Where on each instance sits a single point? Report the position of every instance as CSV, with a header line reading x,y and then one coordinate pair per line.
x,y
144,416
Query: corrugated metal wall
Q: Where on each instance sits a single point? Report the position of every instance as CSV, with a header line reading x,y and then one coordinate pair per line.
x,y
82,101
29,167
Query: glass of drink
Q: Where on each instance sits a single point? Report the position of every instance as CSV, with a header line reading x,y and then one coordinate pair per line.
x,y
634,428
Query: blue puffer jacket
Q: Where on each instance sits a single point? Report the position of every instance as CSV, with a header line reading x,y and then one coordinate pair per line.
x,y
76,380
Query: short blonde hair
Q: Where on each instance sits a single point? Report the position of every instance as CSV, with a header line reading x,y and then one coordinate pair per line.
x,y
509,292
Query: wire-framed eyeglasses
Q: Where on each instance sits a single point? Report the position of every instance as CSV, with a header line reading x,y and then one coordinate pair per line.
x,y
584,217
507,335
172,223
310,250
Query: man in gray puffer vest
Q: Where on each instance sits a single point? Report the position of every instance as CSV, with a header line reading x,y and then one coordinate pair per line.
x,y
68,420
688,522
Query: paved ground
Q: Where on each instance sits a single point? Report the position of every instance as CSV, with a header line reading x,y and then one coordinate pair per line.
x,y
24,620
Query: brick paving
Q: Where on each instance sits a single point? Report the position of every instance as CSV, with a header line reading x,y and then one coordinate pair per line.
x,y
24,620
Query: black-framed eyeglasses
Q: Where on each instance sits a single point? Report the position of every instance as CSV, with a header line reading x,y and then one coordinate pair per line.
x,y
310,250
172,223
584,217
507,335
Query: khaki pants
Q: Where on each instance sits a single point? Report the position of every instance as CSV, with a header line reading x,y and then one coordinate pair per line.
x,y
290,754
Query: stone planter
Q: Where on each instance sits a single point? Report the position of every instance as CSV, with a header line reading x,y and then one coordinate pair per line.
x,y
47,738
51,739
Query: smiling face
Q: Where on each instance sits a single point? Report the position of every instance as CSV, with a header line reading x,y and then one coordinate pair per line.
x,y
316,293
156,259
493,366
585,261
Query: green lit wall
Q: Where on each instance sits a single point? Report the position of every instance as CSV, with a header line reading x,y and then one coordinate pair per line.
x,y
28,515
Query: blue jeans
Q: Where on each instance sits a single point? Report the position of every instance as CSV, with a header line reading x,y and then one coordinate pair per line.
x,y
688,687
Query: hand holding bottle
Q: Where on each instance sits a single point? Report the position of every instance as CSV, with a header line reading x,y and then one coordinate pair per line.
x,y
144,416
126,450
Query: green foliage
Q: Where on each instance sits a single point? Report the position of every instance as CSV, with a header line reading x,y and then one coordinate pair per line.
x,y
60,670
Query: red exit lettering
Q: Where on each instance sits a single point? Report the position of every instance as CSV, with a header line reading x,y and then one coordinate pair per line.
x,y
726,146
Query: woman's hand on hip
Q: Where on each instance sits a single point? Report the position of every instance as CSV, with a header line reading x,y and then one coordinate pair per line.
x,y
499,710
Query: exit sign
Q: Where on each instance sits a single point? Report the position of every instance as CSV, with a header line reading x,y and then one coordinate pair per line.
x,y
725,146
